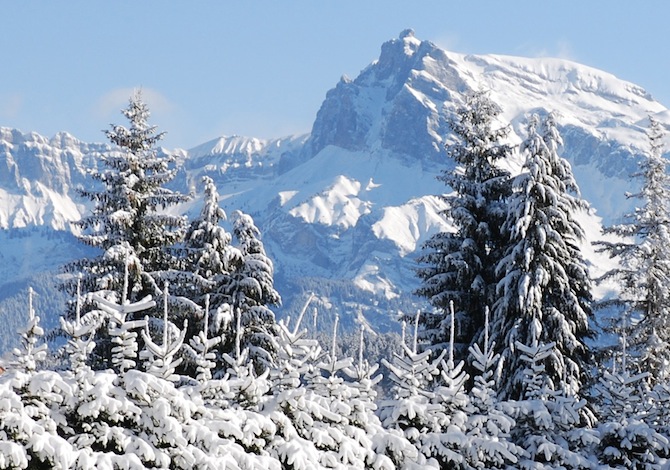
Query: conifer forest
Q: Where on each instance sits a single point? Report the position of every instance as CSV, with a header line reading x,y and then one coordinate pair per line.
x,y
169,353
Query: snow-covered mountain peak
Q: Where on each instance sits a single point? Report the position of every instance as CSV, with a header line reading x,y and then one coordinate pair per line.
x,y
38,176
229,145
345,208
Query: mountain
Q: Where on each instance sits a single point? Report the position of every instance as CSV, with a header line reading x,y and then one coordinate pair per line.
x,y
344,209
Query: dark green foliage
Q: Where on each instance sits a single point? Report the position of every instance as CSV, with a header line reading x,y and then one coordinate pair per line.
x,y
544,292
460,266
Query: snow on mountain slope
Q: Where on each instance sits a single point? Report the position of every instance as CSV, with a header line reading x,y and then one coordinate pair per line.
x,y
344,209
37,178
237,158
359,201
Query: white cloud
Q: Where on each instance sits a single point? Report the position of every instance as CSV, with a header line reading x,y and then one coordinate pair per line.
x,y
449,42
10,105
111,103
562,49
164,113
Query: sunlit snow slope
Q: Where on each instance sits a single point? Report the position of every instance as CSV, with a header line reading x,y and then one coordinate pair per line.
x,y
344,209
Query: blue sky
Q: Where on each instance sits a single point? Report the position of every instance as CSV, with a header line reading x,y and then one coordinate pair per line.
x,y
262,68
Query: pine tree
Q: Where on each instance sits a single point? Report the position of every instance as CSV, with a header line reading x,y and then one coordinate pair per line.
x,y
627,437
429,403
202,345
208,260
251,292
295,355
490,423
80,345
160,359
644,270
128,223
550,426
412,409
459,266
30,353
544,291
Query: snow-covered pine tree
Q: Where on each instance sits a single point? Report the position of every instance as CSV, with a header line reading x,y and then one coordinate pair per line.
x,y
202,346
30,353
644,270
550,426
160,359
449,394
631,427
251,292
490,422
626,409
659,413
413,376
427,403
296,354
123,353
80,344
342,418
459,266
543,277
127,221
208,260
34,404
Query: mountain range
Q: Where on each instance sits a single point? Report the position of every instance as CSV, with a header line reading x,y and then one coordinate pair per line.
x,y
344,209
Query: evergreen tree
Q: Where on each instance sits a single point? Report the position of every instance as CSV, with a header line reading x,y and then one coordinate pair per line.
x,y
208,260
429,404
160,359
644,270
201,346
489,423
30,353
544,291
128,223
459,266
549,423
627,437
79,345
250,293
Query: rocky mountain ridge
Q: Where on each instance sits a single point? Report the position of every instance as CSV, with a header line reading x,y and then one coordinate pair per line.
x,y
344,209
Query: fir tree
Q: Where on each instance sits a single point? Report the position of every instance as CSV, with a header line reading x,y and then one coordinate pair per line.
x,y
160,359
79,345
208,260
296,353
644,270
429,404
544,291
30,353
127,209
251,292
128,223
459,266
202,345
550,424
490,422
627,437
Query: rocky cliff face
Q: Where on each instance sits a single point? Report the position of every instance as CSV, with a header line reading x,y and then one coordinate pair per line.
x,y
38,177
344,210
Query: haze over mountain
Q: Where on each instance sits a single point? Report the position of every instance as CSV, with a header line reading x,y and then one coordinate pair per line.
x,y
344,209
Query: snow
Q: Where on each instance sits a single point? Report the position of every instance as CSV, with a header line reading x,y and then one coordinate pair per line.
x,y
411,224
373,194
339,205
286,196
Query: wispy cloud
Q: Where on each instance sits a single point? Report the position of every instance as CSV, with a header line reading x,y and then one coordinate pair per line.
x,y
449,42
110,104
561,49
10,105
